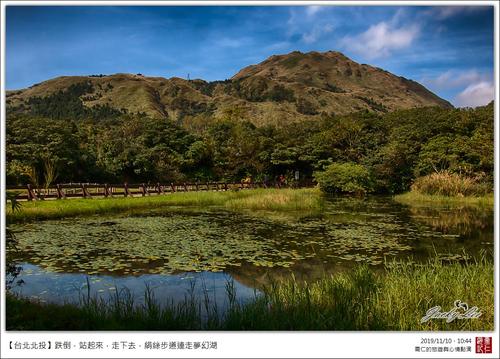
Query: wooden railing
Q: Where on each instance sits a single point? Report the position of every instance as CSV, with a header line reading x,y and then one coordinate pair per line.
x,y
90,190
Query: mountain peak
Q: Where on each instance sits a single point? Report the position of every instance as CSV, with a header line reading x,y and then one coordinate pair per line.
x,y
295,61
334,72
280,89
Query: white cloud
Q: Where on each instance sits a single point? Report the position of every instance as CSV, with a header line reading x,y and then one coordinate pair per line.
x,y
232,42
303,21
453,79
313,10
476,88
318,31
474,95
381,40
227,42
398,17
445,12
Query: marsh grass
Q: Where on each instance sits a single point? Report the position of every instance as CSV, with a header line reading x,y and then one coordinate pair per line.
x,y
255,199
358,300
445,183
419,199
285,199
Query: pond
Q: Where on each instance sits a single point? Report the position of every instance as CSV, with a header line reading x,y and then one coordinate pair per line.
x,y
183,252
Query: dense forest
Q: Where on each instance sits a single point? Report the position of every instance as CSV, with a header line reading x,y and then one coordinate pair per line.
x,y
101,144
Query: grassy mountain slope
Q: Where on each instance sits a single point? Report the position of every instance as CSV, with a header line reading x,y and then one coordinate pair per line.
x,y
279,90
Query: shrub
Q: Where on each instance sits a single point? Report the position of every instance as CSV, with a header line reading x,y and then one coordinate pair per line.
x,y
345,178
280,93
305,107
445,183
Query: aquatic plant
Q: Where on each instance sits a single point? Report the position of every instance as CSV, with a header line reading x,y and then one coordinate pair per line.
x,y
357,300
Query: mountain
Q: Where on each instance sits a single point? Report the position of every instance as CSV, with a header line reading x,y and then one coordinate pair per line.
x,y
279,90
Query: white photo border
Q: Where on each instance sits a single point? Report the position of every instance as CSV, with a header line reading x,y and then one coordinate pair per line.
x,y
248,344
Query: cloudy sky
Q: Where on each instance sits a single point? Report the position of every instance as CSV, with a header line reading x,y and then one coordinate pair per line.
x,y
448,49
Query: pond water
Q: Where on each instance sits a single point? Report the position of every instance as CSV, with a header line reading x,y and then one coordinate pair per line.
x,y
181,252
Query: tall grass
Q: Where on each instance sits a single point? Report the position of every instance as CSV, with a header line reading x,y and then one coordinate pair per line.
x,y
357,300
285,199
363,300
419,199
273,199
445,183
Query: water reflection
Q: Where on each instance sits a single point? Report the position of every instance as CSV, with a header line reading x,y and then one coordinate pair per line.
x,y
74,288
465,221
159,247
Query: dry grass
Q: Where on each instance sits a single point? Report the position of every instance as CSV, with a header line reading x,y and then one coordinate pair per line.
x,y
445,183
285,199
255,199
419,199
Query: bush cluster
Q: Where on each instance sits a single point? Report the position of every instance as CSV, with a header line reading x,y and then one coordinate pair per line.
x,y
445,183
345,178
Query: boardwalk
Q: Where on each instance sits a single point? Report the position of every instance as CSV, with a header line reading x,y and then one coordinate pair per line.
x,y
91,190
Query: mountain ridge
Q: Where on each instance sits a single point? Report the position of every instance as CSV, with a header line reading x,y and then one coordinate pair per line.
x,y
278,90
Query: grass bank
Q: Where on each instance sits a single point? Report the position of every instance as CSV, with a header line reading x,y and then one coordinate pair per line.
x,y
255,199
446,183
358,300
416,198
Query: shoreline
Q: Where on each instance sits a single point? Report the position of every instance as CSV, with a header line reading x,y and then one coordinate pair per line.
x,y
251,199
357,300
415,198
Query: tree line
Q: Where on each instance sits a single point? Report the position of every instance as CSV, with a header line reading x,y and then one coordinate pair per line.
x,y
392,148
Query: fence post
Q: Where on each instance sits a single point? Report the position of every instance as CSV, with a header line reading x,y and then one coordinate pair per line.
x,y
197,186
60,192
86,193
106,190
31,194
225,186
158,188
172,186
185,187
143,189
126,192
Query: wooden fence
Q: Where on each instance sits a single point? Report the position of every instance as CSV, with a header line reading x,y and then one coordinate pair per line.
x,y
90,190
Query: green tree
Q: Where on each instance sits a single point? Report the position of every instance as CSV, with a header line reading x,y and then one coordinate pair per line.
x,y
345,178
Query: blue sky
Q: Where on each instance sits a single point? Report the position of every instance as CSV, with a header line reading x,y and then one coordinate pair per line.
x,y
448,49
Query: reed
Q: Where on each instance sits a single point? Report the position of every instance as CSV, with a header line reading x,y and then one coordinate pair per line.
x,y
419,199
361,299
446,183
262,199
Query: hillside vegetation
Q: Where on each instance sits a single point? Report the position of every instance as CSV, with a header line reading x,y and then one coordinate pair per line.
x,y
395,148
297,112
280,90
